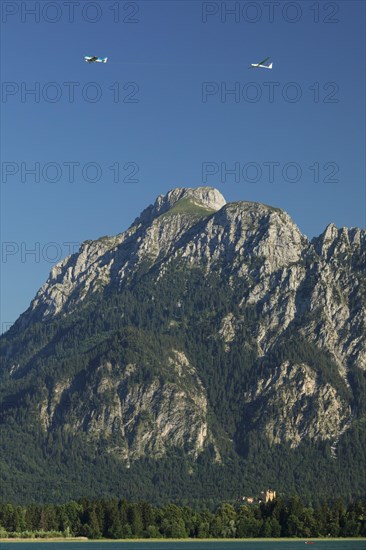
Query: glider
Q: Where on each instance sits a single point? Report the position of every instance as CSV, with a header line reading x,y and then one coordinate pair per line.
x,y
94,59
261,64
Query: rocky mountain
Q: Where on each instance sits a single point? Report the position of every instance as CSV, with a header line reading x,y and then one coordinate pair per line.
x,y
211,347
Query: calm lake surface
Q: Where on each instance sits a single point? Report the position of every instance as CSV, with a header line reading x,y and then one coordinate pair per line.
x,y
232,545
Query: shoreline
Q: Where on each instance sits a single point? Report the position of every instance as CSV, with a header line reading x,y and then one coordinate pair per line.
x,y
280,539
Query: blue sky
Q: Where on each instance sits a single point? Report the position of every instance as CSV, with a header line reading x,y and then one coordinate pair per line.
x,y
172,124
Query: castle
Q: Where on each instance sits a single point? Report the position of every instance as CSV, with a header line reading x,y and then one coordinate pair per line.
x,y
265,496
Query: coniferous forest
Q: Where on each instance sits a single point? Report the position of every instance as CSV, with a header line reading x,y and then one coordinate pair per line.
x,y
120,519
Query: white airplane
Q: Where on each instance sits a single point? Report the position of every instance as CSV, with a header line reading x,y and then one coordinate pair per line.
x,y
94,59
261,65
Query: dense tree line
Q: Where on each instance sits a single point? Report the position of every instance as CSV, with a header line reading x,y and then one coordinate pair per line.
x,y
116,519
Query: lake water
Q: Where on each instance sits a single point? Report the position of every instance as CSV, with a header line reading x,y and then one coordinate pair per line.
x,y
196,545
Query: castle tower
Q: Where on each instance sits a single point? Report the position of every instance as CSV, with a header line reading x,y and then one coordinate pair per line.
x,y
270,495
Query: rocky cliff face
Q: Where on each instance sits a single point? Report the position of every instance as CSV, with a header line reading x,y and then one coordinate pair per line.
x,y
307,408
111,260
188,276
134,419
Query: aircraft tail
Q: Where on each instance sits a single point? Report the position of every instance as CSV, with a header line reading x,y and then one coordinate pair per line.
x,y
270,65
105,59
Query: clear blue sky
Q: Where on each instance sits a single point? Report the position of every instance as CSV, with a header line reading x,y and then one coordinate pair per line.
x,y
169,53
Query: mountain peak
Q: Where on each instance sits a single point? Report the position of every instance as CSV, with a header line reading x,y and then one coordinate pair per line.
x,y
204,198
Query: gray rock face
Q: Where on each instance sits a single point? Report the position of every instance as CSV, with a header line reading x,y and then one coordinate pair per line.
x,y
309,409
111,259
136,419
318,286
242,233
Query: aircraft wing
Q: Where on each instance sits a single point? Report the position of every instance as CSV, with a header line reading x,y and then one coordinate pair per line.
x,y
264,60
